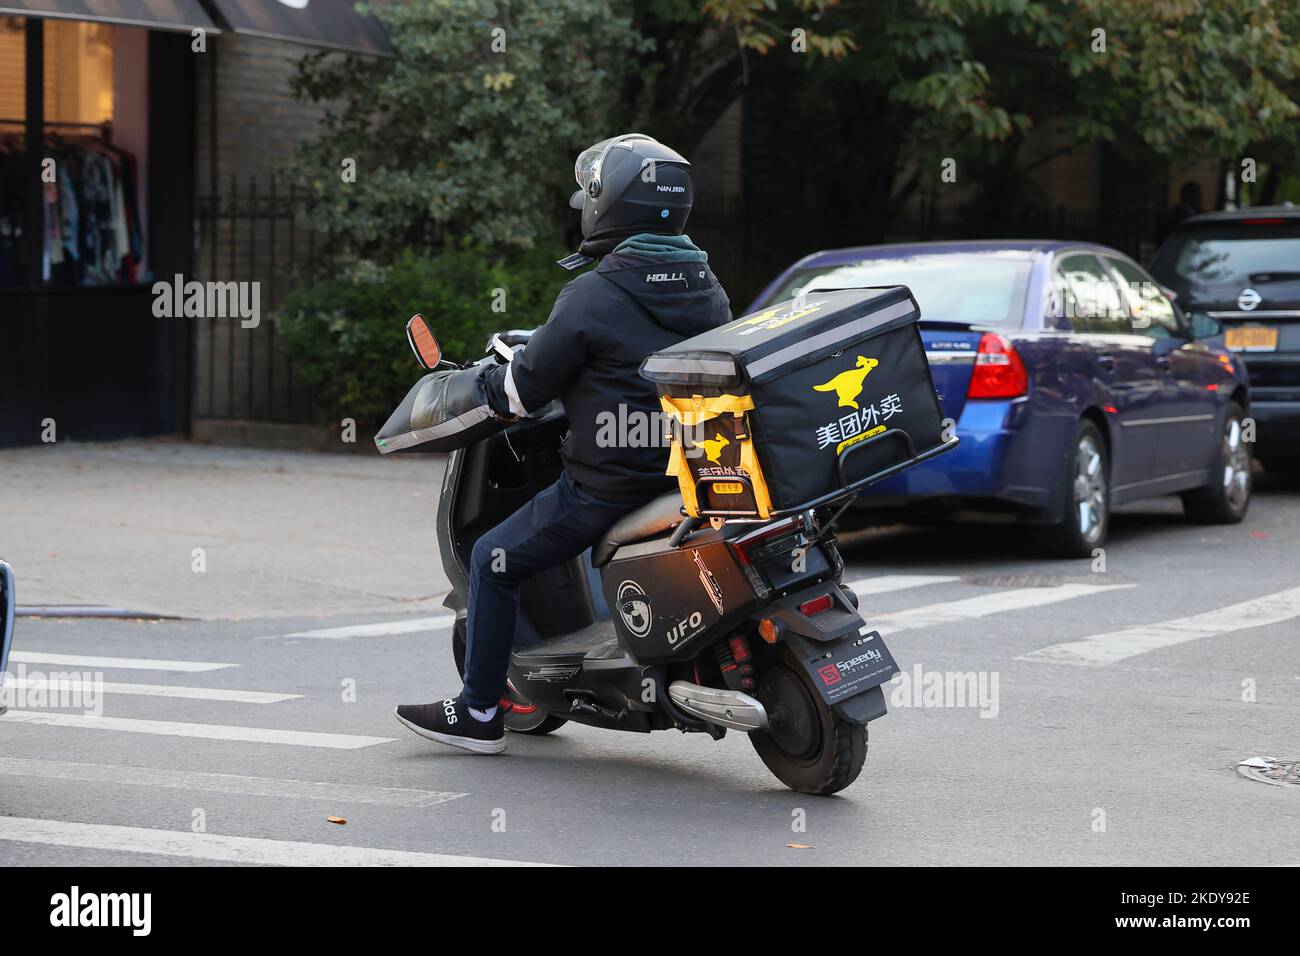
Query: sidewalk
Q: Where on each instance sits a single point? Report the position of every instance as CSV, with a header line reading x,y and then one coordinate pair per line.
x,y
284,533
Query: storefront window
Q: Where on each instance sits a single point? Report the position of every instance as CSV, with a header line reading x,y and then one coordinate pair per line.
x,y
78,72
94,217
93,172
13,73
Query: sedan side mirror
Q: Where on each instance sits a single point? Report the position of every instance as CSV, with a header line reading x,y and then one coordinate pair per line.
x,y
1205,326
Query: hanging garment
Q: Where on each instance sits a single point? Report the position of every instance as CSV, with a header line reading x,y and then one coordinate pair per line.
x,y
68,207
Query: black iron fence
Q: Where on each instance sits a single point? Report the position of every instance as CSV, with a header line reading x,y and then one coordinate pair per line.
x,y
747,252
250,235
1131,227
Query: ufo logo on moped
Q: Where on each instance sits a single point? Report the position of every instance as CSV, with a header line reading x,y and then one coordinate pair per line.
x,y
634,608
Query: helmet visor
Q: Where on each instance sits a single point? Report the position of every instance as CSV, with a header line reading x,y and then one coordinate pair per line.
x,y
590,159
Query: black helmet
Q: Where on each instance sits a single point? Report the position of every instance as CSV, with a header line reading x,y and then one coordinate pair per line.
x,y
630,184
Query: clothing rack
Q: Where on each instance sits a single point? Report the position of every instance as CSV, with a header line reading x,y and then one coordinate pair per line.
x,y
105,128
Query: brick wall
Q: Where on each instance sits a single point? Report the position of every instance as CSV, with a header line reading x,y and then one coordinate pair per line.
x,y
258,120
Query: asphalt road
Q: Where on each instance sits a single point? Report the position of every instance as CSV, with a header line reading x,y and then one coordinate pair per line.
x,y
1108,741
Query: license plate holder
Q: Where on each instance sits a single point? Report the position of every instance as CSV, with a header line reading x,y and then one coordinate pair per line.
x,y
848,667
1251,338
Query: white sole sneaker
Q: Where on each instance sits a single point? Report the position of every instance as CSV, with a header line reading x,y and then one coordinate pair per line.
x,y
451,740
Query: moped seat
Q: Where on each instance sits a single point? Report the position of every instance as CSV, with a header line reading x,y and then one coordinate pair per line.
x,y
651,520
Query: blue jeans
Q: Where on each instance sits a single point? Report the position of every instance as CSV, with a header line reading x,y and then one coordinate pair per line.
x,y
560,523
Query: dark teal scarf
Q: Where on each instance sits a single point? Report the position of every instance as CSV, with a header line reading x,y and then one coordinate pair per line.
x,y
662,248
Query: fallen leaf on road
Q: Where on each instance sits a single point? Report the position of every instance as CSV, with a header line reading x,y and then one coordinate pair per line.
x,y
338,820
801,846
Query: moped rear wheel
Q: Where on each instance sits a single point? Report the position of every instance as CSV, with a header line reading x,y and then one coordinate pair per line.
x,y
521,715
807,746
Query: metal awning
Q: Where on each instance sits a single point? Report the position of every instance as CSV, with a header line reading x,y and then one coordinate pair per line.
x,y
332,24
185,15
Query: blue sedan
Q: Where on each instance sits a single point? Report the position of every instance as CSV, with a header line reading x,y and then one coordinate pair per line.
x,y
1075,381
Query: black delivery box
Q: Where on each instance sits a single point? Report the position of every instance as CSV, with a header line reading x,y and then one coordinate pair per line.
x,y
800,404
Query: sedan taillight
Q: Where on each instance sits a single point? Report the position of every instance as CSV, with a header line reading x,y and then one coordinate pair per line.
x,y
999,372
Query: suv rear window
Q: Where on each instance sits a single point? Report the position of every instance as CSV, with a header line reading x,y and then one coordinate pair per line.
x,y
1230,252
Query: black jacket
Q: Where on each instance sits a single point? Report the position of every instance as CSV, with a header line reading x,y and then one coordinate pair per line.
x,y
604,323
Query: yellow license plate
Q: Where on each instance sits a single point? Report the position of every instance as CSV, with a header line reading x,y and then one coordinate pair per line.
x,y
727,488
1253,338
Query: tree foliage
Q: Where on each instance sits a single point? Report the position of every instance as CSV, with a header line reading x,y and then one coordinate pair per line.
x,y
1167,77
1206,77
452,138
345,335
470,129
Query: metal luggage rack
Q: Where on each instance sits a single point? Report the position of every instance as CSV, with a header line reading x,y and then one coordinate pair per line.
x,y
845,493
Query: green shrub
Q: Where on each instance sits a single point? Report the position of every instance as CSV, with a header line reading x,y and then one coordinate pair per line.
x,y
347,335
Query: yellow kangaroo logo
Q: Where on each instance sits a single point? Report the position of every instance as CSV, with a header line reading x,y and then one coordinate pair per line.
x,y
713,447
848,385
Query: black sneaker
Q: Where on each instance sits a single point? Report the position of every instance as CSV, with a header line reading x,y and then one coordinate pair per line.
x,y
450,722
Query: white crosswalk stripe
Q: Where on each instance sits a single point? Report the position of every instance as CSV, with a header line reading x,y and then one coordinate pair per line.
x,y
997,602
911,619
415,625
339,794
248,851
126,663
885,583
1101,649
175,728
80,687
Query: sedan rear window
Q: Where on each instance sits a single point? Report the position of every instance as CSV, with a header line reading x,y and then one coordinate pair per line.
x,y
974,290
1231,253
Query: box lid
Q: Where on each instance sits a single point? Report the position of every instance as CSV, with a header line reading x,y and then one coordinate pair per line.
x,y
781,338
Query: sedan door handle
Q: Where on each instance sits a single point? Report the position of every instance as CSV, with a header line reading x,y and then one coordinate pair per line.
x,y
1106,361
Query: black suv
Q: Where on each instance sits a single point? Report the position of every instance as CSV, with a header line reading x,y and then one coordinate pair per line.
x,y
1242,268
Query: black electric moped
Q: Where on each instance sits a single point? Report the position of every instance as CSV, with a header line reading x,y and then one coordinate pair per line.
x,y
671,622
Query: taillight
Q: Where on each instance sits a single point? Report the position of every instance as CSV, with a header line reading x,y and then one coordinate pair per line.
x,y
998,373
754,541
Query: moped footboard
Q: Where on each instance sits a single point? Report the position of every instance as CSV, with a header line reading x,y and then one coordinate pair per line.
x,y
847,663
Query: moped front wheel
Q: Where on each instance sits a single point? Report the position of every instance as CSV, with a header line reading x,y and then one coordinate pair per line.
x,y
521,715
807,746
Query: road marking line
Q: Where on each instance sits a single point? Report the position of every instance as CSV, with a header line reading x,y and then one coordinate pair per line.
x,y
249,851
127,663
885,583
337,793
77,685
984,605
176,728
1100,649
413,625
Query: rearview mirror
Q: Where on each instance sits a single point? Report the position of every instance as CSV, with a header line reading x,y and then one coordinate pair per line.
x,y
423,342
